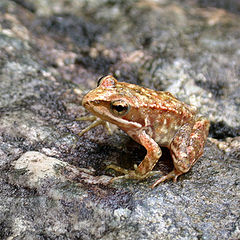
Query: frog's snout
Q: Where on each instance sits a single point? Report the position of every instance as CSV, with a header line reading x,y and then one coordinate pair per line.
x,y
85,101
88,102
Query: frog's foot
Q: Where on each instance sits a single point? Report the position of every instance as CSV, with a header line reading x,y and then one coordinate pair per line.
x,y
172,175
95,122
130,174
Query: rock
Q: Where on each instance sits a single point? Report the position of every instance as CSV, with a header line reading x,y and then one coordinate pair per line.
x,y
38,166
34,167
53,183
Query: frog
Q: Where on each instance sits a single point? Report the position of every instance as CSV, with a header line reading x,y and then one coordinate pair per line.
x,y
152,118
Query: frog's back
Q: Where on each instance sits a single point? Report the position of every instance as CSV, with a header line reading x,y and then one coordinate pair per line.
x,y
155,100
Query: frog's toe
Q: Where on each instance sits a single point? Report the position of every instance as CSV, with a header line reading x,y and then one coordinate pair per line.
x,y
118,178
128,174
95,122
172,175
118,169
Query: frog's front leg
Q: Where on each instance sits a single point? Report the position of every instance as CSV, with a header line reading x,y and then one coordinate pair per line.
x,y
143,170
95,122
186,148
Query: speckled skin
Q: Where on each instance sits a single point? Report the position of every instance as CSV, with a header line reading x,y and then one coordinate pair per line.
x,y
153,119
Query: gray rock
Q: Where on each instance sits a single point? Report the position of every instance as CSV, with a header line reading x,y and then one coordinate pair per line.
x,y
53,183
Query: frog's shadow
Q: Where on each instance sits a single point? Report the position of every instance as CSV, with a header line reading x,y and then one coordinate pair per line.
x,y
134,153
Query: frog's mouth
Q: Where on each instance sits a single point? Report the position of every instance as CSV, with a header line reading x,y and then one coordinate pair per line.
x,y
102,111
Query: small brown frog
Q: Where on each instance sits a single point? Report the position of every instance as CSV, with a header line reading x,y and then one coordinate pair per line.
x,y
152,118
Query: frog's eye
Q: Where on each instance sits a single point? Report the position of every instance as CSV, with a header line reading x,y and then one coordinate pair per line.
x,y
107,81
99,80
119,107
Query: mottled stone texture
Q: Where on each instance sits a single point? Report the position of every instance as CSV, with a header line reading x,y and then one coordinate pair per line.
x,y
53,183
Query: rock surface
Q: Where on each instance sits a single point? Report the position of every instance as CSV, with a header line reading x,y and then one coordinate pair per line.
x,y
53,183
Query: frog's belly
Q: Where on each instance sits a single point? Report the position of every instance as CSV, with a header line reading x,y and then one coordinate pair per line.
x,y
163,135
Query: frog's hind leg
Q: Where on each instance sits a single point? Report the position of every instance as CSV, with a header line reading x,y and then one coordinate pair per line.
x,y
144,169
186,148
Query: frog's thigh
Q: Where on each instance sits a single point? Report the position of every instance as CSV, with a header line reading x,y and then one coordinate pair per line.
x,y
153,153
187,145
179,149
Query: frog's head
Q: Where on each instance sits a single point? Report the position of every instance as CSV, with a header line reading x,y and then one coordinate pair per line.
x,y
110,101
